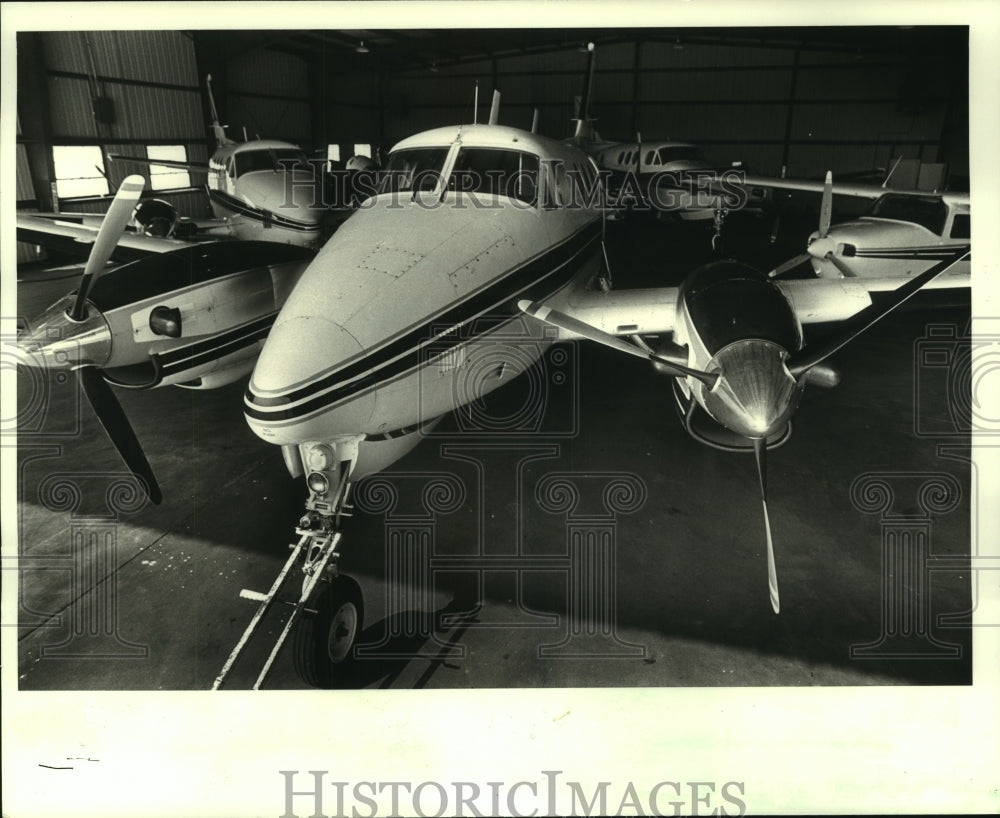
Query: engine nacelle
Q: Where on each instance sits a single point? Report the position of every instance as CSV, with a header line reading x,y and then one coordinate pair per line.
x,y
156,217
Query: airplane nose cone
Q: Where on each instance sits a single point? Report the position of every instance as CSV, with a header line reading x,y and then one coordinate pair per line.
x,y
300,349
756,394
59,342
311,368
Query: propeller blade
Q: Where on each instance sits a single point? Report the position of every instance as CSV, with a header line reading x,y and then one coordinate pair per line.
x,y
791,264
839,263
581,328
760,454
111,416
872,314
108,235
775,226
826,206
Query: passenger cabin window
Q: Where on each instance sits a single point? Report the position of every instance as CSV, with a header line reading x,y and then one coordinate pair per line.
x,y
267,159
961,226
414,169
496,172
927,211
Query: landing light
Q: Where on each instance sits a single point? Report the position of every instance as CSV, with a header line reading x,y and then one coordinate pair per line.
x,y
320,457
318,483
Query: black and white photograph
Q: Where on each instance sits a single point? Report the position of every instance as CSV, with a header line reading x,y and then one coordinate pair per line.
x,y
418,408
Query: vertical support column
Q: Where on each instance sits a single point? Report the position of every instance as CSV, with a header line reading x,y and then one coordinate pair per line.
x,y
591,532
906,540
409,545
35,117
790,113
93,588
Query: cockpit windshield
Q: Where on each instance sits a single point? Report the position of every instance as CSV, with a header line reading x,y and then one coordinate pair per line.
x,y
496,172
273,159
414,169
679,153
927,211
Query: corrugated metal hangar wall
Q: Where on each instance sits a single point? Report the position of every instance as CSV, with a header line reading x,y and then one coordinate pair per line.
x,y
801,107
808,110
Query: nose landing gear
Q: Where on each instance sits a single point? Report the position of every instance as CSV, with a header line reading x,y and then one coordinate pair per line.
x,y
323,644
327,617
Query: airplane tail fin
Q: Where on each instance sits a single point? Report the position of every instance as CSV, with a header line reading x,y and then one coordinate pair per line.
x,y
584,127
217,129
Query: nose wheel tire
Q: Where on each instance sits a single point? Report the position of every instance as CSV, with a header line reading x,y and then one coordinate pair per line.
x,y
323,644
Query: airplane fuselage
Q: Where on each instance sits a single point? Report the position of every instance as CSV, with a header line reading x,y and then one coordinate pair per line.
x,y
902,235
249,190
409,311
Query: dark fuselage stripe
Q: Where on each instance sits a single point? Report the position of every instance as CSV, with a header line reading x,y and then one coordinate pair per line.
x,y
536,280
243,209
542,264
203,352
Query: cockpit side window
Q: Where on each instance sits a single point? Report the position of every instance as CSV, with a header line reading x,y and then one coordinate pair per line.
x,y
927,211
267,159
413,169
961,226
678,153
496,172
651,158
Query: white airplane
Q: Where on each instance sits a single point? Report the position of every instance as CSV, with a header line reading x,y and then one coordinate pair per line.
x,y
473,257
664,176
248,189
902,234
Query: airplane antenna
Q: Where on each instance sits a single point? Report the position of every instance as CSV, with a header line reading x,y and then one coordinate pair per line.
x,y
495,108
475,104
892,170
534,122
587,80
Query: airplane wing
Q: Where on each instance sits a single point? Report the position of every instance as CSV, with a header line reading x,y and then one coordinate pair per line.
x,y
168,163
653,311
860,190
74,235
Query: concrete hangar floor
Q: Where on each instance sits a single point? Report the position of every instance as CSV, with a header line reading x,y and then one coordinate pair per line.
x,y
470,574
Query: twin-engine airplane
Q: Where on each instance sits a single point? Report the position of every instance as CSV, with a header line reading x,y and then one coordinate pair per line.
x,y
666,177
902,234
432,295
248,189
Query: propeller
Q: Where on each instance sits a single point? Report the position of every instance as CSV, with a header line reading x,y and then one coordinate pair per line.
x,y
60,330
821,246
826,206
760,455
110,231
560,319
112,417
791,264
